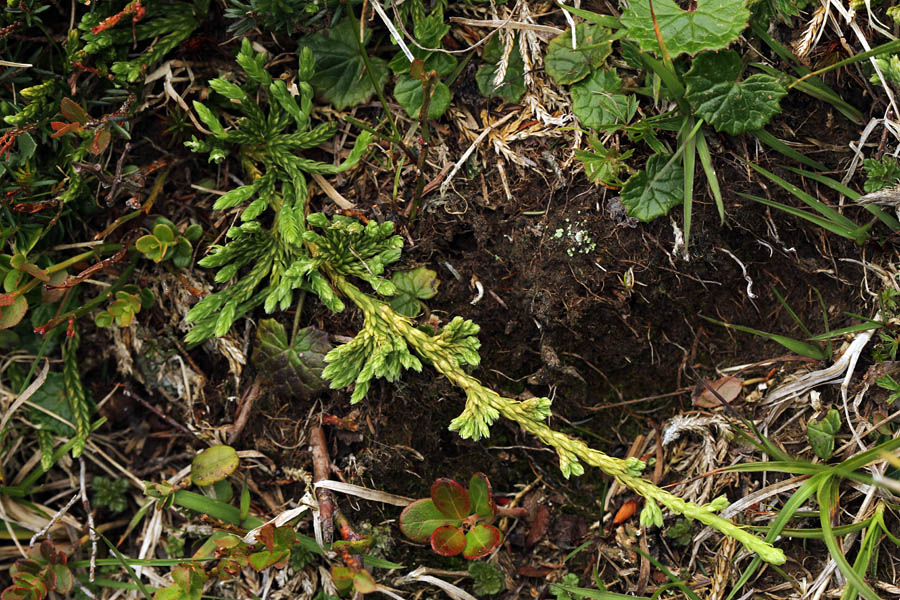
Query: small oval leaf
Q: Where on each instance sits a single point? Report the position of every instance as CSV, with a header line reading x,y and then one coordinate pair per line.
x,y
450,498
448,540
481,496
419,520
11,315
214,464
481,541
363,582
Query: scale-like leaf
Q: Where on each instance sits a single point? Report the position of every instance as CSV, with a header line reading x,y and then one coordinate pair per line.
x,y
291,370
655,190
711,25
727,104
567,66
598,102
341,76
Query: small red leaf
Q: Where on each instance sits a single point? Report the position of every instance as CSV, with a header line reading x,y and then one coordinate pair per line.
x,y
101,141
481,541
538,526
450,498
73,111
625,512
60,129
448,540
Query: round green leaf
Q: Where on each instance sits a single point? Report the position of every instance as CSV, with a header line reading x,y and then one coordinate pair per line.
x,y
567,66
11,315
342,577
727,104
711,25
419,520
214,464
654,190
598,103
147,245
512,87
448,540
409,93
481,541
363,582
450,498
481,496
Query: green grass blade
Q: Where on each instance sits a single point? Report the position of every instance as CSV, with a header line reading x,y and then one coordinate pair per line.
x,y
849,233
845,330
791,312
675,581
124,562
784,516
710,171
579,592
827,497
814,533
883,216
796,346
605,20
887,48
775,144
688,161
814,203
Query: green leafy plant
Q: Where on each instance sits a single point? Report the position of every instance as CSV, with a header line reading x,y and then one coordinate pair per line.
x,y
492,81
410,90
291,370
342,76
269,154
165,242
127,304
821,434
43,572
413,286
880,173
886,382
110,493
488,579
456,520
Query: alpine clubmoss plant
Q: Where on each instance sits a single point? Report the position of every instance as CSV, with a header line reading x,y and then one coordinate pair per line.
x,y
331,256
267,146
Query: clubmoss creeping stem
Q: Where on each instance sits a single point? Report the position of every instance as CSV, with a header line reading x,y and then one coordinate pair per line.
x,y
484,406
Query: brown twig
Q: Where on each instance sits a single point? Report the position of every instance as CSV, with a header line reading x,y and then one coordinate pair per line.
x,y
247,401
321,469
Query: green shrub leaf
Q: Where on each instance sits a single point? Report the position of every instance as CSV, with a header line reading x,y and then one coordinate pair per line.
x,y
341,76
419,520
567,66
481,496
655,190
821,433
512,87
291,370
213,464
713,24
448,540
481,541
450,498
724,102
598,103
